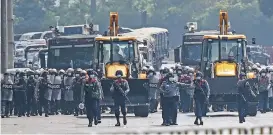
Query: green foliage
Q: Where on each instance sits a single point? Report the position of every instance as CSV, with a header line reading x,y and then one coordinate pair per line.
x,y
251,17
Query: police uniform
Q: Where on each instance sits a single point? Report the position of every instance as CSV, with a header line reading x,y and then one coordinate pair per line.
x,y
20,94
56,87
31,101
92,90
170,97
263,87
6,95
43,93
186,93
153,90
201,97
243,88
77,83
68,92
120,88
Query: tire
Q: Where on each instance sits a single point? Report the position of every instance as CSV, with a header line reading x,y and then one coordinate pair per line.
x,y
141,111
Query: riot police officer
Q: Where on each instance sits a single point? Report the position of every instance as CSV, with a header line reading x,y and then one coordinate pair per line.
x,y
153,89
92,92
170,98
6,95
56,86
201,97
68,92
43,93
186,92
20,94
243,86
120,88
31,100
77,84
263,86
62,103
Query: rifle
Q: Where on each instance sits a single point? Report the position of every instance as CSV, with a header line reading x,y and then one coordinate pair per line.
x,y
200,88
121,91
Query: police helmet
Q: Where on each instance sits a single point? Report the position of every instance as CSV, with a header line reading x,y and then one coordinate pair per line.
x,y
90,72
144,68
69,70
61,71
191,70
119,72
151,70
199,74
78,70
262,71
44,73
83,73
166,70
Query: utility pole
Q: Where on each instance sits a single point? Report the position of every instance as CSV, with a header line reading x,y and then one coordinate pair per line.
x,y
10,33
4,42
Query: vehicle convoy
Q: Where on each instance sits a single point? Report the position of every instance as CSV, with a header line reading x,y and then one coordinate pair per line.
x,y
71,51
223,58
114,53
153,44
257,54
189,53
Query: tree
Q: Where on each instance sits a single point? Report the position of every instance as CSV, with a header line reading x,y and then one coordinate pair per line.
x,y
266,6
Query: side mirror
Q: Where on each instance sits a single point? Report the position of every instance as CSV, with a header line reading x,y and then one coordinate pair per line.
x,y
177,55
253,41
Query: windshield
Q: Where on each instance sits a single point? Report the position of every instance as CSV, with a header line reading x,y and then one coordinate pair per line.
x,y
32,55
73,30
36,36
19,53
121,51
76,57
192,52
83,57
230,49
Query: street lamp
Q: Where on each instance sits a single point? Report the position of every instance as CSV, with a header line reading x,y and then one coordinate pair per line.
x,y
86,17
57,18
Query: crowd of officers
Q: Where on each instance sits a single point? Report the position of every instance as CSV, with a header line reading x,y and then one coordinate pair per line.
x,y
53,92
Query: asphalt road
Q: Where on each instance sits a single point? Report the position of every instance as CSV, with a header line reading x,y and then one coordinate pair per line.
x,y
60,124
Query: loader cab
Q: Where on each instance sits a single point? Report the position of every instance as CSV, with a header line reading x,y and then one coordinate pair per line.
x,y
116,53
223,55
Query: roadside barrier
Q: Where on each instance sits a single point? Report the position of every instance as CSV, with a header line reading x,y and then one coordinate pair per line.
x,y
261,130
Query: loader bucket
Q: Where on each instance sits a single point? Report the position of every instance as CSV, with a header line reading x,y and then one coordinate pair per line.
x,y
138,94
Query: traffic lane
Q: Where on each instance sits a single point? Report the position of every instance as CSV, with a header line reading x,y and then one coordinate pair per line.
x,y
62,124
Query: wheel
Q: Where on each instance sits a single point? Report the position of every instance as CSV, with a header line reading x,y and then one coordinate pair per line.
x,y
141,111
252,110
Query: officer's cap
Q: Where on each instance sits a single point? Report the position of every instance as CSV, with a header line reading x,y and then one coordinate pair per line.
x,y
144,68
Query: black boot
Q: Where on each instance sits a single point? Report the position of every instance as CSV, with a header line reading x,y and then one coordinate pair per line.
x,y
124,120
118,123
196,121
201,122
46,115
90,123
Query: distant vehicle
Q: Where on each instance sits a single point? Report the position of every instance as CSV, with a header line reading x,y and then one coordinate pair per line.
x,y
77,29
70,51
257,54
189,53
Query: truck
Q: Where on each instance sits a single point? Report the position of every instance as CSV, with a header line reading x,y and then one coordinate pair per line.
x,y
223,58
189,53
128,62
71,50
153,43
